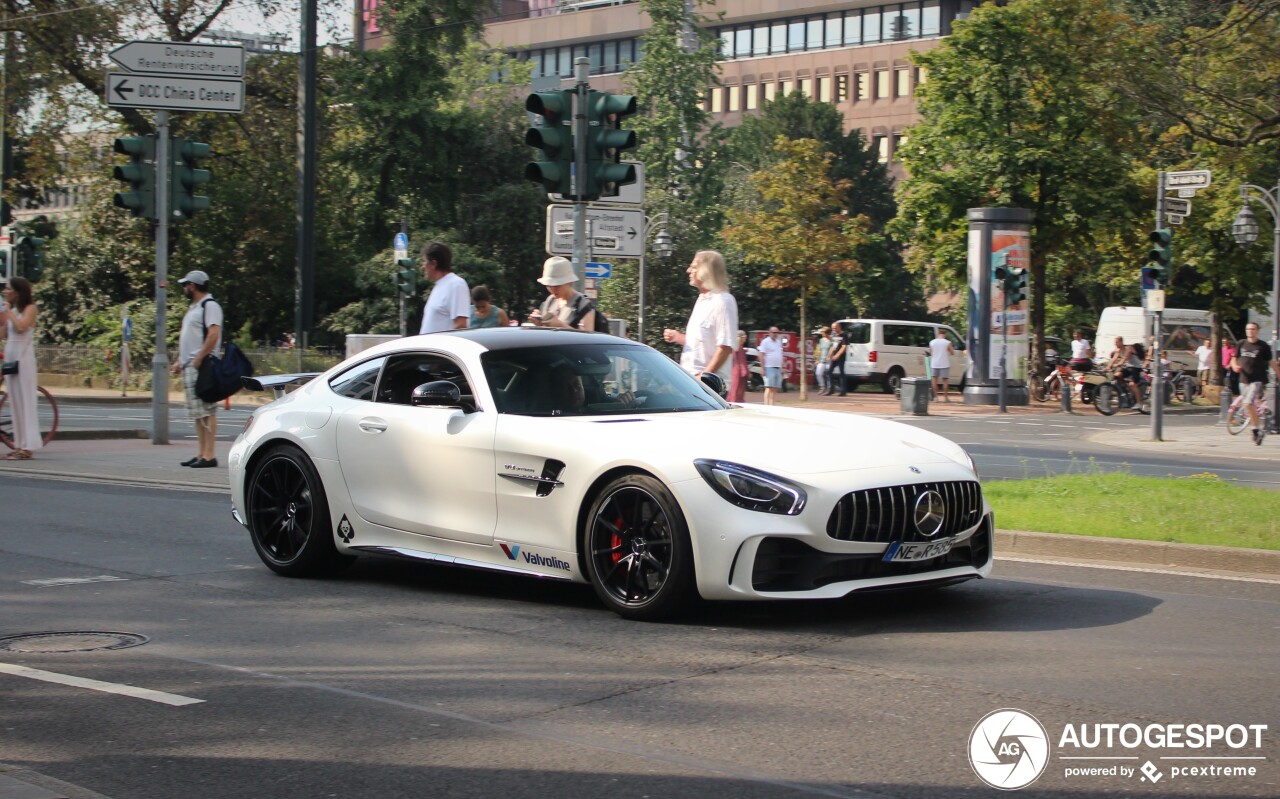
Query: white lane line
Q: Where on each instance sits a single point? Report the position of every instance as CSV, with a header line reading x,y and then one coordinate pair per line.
x,y
97,685
56,581
1110,567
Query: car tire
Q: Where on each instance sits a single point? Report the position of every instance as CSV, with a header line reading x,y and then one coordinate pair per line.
x,y
287,514
893,381
638,555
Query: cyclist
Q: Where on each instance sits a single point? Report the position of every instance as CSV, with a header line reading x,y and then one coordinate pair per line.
x,y
1251,361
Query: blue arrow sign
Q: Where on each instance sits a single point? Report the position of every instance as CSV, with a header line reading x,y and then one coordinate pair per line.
x,y
598,271
401,242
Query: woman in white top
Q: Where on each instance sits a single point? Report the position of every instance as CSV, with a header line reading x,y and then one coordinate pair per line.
x,y
708,340
18,318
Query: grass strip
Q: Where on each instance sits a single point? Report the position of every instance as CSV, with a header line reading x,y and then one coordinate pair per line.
x,y
1200,509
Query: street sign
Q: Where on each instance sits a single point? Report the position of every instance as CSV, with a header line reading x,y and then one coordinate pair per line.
x,y
1175,219
126,90
181,58
565,227
1192,179
401,245
619,231
1186,192
1173,205
598,270
628,194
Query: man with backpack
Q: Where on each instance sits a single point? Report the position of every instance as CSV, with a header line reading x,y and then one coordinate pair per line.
x,y
201,335
565,306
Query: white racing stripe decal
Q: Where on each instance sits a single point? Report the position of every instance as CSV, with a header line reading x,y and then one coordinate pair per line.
x,y
97,685
1174,572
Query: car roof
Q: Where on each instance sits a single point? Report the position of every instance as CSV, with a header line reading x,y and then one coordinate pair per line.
x,y
507,338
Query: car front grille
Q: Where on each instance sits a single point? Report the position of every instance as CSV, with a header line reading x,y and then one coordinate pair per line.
x,y
882,515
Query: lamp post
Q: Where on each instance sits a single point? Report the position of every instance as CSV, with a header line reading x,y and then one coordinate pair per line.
x,y
664,246
1244,229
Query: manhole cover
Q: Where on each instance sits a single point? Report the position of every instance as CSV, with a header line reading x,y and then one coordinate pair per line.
x,y
76,641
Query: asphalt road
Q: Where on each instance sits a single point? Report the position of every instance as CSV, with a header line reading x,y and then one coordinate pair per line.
x,y
403,680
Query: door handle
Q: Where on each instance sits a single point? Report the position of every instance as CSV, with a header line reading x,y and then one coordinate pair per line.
x,y
372,426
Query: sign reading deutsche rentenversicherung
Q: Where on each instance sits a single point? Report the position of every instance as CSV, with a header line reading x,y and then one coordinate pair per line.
x,y
178,76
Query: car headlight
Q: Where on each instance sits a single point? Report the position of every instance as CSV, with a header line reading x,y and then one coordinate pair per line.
x,y
752,489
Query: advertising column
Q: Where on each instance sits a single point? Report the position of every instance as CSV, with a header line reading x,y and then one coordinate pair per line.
x,y
997,236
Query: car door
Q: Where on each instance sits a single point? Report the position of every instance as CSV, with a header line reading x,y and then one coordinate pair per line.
x,y
960,360
424,470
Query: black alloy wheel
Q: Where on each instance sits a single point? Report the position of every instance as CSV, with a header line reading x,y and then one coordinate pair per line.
x,y
639,558
288,516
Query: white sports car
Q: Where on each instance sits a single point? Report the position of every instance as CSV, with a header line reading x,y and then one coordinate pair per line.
x,y
579,456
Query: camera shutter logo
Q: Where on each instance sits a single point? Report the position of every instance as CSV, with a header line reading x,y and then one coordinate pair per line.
x,y
1008,749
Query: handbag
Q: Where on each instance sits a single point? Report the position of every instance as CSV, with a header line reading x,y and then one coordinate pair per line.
x,y
9,368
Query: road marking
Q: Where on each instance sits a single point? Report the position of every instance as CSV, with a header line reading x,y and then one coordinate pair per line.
x,y
97,685
56,581
1110,567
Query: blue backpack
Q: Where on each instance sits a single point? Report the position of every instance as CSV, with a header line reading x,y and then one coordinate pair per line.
x,y
220,377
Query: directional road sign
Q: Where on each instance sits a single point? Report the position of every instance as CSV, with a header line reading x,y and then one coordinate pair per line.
x,y
598,270
1174,205
181,58
1175,219
126,90
1191,179
618,231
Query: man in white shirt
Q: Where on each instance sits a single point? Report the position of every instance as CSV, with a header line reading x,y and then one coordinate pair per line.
x,y
708,340
201,336
771,359
940,352
449,303
1204,362
1081,353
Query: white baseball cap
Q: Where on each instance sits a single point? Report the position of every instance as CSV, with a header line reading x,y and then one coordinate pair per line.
x,y
195,276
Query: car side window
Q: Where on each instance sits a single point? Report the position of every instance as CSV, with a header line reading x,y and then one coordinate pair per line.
x,y
407,371
953,338
358,381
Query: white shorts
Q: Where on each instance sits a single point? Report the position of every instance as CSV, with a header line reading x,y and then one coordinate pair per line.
x,y
1250,392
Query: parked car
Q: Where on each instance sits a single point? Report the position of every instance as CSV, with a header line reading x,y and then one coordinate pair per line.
x,y
581,457
883,351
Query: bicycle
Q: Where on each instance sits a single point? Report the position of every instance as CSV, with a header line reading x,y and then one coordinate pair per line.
x,y
46,412
1238,417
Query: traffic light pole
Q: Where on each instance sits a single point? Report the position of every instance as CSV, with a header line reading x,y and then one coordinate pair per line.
x,y
581,67
1157,368
160,360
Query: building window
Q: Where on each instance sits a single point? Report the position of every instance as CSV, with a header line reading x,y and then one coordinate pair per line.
x,y
795,37
778,38
595,52
726,43
814,40
898,140
835,30
922,74
717,101
743,47
760,40
610,56
752,93
902,79
863,88
565,59
842,88
931,19
785,87
735,98
882,84
880,144
770,91
805,86
824,89
871,26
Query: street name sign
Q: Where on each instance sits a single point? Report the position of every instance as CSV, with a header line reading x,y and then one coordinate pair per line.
x,y
181,58
1174,205
1174,219
618,230
169,93
1191,179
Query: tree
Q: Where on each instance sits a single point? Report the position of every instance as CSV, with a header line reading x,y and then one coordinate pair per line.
x,y
1022,109
802,232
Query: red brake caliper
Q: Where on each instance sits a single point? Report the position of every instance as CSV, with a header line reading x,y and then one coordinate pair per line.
x,y
615,542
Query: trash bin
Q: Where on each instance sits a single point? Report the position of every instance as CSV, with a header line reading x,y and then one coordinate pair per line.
x,y
915,395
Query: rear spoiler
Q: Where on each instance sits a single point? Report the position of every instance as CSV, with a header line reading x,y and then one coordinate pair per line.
x,y
277,384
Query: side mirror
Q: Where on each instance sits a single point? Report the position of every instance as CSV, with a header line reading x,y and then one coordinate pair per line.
x,y
437,393
716,383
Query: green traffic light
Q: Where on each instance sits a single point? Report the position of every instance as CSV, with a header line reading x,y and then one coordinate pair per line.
x,y
139,173
1160,257
605,170
407,277
551,135
186,178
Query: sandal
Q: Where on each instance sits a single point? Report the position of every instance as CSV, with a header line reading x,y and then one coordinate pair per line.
x,y
18,455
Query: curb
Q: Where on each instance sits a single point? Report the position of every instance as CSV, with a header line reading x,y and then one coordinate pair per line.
x,y
17,782
1264,562
100,435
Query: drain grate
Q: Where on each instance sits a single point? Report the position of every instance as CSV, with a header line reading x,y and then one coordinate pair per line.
x,y
73,641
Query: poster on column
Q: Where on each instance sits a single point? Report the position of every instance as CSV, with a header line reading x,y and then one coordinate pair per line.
x,y
1010,321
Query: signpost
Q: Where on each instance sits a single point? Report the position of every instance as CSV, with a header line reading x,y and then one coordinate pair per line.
x,y
172,93
614,230
180,58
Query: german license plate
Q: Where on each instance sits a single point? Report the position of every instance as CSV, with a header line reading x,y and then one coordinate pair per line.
x,y
900,551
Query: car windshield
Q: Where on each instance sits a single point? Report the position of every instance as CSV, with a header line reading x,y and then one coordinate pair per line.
x,y
592,380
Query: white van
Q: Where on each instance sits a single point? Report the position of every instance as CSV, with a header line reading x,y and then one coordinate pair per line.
x,y
883,351
1183,331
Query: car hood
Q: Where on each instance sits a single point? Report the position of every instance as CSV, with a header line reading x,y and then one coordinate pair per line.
x,y
781,440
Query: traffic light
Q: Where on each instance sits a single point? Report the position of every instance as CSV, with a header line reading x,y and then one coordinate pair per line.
x,y
1016,291
139,173
551,135
186,178
407,277
606,141
28,256
1160,259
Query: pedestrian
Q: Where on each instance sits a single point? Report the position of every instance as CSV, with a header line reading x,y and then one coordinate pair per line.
x,y
940,352
448,306
1252,360
708,338
1082,352
839,345
771,361
564,306
201,335
741,371
1204,362
18,314
820,362
483,312
1232,377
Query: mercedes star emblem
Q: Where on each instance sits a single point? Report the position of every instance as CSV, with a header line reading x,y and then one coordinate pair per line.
x,y
930,513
